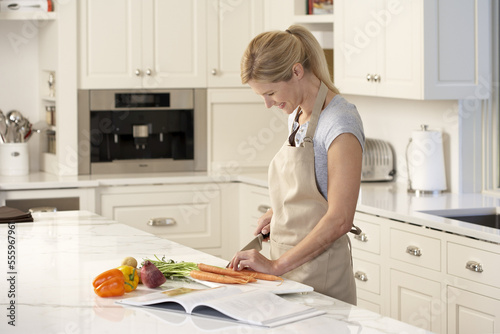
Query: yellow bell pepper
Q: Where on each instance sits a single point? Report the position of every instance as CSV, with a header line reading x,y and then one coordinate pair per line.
x,y
131,277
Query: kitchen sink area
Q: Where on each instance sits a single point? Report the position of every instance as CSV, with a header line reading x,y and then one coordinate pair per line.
x,y
488,216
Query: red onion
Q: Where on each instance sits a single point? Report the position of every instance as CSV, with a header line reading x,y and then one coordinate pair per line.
x,y
151,276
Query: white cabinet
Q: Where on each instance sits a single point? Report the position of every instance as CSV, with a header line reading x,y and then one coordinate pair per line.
x,y
368,266
242,132
442,282
416,300
254,201
231,26
142,44
190,213
470,313
473,293
409,48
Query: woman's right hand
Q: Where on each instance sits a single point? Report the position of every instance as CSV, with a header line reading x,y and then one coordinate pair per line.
x,y
264,223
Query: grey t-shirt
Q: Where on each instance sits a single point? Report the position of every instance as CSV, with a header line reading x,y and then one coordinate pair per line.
x,y
338,117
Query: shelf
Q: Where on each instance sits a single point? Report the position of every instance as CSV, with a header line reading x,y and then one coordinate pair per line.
x,y
49,98
326,18
41,16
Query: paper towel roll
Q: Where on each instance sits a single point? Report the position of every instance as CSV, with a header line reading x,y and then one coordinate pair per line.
x,y
426,161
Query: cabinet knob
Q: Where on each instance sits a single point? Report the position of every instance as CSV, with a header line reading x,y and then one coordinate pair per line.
x,y
214,71
414,250
162,221
361,237
359,275
474,266
263,208
138,72
376,78
149,72
369,77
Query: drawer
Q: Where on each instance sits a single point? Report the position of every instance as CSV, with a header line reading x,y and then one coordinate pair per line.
x,y
369,239
473,264
416,249
194,221
367,275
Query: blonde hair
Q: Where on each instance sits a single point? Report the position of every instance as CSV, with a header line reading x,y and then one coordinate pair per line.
x,y
270,56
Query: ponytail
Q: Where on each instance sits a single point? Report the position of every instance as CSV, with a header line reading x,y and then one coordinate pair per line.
x,y
270,56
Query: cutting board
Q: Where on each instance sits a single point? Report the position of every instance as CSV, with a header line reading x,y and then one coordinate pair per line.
x,y
276,287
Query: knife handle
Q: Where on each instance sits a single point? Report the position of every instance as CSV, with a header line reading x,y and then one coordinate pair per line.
x,y
265,235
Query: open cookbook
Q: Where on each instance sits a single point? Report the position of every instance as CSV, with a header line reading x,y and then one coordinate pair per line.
x,y
255,307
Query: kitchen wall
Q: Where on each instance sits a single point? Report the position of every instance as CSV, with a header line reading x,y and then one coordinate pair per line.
x,y
388,119
394,120
19,74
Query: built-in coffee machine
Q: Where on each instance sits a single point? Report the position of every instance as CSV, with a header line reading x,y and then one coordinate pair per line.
x,y
128,131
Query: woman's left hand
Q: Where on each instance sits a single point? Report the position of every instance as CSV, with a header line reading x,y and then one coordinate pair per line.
x,y
252,259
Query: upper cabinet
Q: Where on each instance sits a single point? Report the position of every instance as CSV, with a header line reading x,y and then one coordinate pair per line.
x,y
231,26
142,43
165,43
413,49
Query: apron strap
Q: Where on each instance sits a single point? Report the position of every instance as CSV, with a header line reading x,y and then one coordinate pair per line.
x,y
316,112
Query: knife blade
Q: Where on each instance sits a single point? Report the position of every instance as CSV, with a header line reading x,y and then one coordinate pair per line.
x,y
256,242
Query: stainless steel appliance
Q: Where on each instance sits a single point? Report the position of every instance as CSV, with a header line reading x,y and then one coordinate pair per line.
x,y
129,131
378,161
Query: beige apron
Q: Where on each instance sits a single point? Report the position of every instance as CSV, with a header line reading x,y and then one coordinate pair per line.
x,y
297,207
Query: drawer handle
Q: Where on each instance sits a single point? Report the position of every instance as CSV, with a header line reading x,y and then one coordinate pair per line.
x,y
263,208
413,250
361,276
361,237
474,266
161,221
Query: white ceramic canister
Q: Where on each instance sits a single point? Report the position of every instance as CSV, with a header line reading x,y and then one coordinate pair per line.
x,y
14,159
425,159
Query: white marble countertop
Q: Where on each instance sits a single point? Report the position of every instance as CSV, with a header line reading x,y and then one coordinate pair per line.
x,y
386,199
42,180
392,200
57,256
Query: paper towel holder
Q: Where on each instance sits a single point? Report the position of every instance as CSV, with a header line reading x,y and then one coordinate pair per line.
x,y
417,192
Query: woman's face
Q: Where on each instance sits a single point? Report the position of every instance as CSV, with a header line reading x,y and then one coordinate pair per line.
x,y
283,94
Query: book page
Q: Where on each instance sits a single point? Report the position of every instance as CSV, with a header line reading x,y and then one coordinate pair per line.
x,y
258,308
187,298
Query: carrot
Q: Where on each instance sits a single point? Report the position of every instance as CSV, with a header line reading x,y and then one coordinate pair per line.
x,y
258,275
211,277
224,271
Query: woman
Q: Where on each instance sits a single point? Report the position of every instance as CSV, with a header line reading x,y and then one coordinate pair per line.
x,y
314,179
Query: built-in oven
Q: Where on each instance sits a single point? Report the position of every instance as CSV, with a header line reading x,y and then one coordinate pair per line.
x,y
130,131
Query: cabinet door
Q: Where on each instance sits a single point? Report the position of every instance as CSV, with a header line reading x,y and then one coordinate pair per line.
x,y
356,46
174,43
400,49
192,215
231,26
470,313
242,131
417,301
110,43
409,48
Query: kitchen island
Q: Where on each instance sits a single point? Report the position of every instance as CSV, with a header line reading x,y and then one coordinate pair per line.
x,y
49,266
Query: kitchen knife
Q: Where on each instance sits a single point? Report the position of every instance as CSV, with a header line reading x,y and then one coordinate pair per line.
x,y
256,242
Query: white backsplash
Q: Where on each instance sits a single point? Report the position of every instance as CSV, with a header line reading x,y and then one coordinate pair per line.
x,y
394,120
19,74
